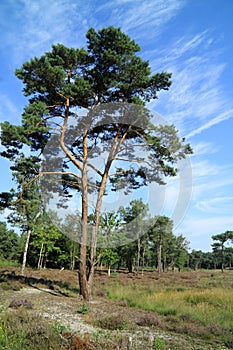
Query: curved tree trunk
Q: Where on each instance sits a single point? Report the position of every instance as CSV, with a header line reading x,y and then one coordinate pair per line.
x,y
83,248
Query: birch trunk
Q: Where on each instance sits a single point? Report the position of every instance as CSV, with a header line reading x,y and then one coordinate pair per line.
x,y
25,253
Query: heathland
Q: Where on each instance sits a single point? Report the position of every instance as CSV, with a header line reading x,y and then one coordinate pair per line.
x,y
173,310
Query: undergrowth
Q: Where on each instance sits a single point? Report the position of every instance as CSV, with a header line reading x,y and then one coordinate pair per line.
x,y
23,330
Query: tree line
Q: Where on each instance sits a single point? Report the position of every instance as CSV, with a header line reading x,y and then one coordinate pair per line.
x,y
157,248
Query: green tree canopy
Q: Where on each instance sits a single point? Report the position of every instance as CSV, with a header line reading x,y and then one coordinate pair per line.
x,y
9,242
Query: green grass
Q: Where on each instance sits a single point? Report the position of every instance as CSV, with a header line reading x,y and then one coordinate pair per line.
x,y
204,307
208,306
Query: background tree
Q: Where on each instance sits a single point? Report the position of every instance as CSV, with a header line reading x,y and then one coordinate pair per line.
x,y
220,240
61,83
180,252
160,232
44,238
24,203
109,258
9,243
196,259
134,227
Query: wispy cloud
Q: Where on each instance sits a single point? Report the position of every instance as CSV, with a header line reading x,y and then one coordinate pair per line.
x,y
205,168
32,26
204,148
144,18
220,118
218,205
197,94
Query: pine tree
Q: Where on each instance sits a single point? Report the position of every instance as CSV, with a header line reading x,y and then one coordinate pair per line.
x,y
109,80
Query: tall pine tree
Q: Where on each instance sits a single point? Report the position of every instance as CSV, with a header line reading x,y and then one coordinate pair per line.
x,y
113,84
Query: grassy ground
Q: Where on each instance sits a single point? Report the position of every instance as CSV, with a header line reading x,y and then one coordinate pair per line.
x,y
192,303
176,311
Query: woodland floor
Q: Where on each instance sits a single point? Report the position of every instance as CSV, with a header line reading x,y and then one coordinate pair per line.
x,y
45,291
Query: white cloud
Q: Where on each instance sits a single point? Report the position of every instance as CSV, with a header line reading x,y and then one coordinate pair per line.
x,y
203,148
218,205
220,118
39,24
197,99
8,108
141,18
205,168
31,27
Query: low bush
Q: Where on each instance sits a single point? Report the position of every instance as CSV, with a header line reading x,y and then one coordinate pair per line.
x,y
150,320
112,323
22,330
21,302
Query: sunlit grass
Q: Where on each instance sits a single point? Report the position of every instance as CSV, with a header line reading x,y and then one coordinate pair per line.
x,y
198,304
208,306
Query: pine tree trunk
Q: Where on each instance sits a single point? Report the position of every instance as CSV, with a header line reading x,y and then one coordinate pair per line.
x,y
83,252
83,248
92,258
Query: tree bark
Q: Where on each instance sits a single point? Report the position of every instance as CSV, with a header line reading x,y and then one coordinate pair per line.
x,y
39,265
84,290
112,154
138,253
159,258
26,247
222,258
25,253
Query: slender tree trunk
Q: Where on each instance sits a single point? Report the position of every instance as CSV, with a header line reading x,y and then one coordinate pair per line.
x,y
25,253
138,254
26,247
117,142
143,260
222,259
159,258
94,235
72,257
44,262
165,268
39,265
83,248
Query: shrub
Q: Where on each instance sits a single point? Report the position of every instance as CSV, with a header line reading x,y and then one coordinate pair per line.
x,y
22,330
149,320
83,309
17,303
112,323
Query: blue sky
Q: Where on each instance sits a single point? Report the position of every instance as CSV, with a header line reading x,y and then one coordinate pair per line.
x,y
190,38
